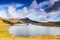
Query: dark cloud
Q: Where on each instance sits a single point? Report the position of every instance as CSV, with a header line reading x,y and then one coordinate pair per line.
x,y
54,7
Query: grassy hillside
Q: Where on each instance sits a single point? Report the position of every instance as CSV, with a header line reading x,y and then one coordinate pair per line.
x,y
18,21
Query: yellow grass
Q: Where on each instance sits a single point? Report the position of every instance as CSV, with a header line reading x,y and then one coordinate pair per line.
x,y
4,35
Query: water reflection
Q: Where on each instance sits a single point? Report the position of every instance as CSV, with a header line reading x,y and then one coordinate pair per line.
x,y
33,30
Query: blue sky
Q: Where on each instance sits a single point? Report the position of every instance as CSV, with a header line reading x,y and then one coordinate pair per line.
x,y
19,1
25,2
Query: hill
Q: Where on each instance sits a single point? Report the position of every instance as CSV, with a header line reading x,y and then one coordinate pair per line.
x,y
26,20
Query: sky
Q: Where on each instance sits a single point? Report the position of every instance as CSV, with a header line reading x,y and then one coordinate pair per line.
x,y
21,9
20,1
26,3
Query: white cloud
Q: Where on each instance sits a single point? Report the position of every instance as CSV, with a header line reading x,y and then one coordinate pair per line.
x,y
44,3
3,13
33,14
54,16
34,5
53,1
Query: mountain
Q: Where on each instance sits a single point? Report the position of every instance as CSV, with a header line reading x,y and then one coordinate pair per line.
x,y
26,20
